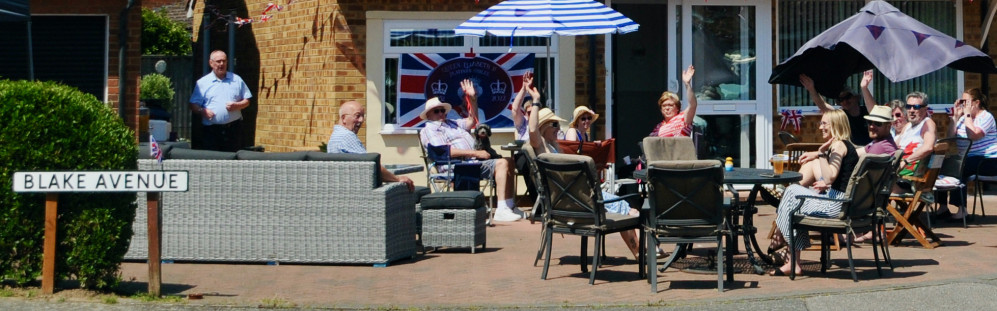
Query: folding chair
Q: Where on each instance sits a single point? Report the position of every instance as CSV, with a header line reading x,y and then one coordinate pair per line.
x,y
913,205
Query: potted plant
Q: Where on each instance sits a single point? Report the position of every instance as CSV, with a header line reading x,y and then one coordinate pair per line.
x,y
156,91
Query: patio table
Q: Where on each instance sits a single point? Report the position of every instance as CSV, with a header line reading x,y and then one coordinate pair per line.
x,y
746,211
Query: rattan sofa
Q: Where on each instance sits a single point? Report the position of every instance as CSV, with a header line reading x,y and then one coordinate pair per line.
x,y
300,207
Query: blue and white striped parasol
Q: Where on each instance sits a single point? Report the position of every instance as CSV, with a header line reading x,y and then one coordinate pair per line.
x,y
543,18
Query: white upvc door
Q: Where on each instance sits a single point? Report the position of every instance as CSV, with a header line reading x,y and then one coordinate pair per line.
x,y
730,43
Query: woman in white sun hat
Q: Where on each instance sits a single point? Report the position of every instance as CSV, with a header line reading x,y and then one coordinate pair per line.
x,y
580,125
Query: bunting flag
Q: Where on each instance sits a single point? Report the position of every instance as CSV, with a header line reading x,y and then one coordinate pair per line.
x,y
270,8
791,117
154,150
496,76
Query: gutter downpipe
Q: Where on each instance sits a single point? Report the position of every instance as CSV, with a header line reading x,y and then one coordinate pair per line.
x,y
122,52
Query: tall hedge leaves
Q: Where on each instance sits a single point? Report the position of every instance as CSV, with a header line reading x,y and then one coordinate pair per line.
x,y
45,126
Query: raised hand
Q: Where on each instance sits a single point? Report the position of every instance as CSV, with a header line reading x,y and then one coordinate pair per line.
x,y
468,88
527,80
959,109
807,82
687,75
866,78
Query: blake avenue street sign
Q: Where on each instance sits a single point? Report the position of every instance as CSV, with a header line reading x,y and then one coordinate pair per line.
x,y
101,181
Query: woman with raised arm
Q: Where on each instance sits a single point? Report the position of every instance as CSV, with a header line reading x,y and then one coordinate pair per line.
x,y
970,119
677,122
544,125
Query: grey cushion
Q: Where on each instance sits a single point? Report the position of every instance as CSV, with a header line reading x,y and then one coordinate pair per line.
x,y
271,156
453,200
350,157
322,156
669,148
197,154
420,191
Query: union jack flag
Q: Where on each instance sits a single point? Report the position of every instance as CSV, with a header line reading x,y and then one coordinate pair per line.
x,y
154,150
496,76
791,117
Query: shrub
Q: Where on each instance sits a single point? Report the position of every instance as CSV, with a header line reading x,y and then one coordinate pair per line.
x,y
163,36
45,126
157,89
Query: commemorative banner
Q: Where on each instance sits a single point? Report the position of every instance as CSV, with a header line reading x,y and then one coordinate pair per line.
x,y
496,76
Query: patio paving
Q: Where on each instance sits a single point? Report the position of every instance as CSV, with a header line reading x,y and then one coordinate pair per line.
x,y
503,275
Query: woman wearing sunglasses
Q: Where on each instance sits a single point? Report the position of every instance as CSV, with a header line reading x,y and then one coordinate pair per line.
x,y
970,119
544,126
677,122
899,117
580,125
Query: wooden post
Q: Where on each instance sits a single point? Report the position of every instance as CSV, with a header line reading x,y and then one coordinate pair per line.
x,y
154,213
48,260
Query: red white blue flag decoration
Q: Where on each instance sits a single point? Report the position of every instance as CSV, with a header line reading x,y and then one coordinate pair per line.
x,y
154,150
496,77
791,117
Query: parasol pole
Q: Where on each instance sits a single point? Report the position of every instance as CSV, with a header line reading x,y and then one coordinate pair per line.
x,y
550,76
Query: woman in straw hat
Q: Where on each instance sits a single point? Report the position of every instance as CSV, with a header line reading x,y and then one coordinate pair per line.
x,y
544,126
580,125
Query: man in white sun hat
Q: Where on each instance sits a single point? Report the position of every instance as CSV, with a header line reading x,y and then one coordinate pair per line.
x,y
878,122
440,131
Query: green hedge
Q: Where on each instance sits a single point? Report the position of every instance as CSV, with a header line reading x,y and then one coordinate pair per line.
x,y
45,126
163,36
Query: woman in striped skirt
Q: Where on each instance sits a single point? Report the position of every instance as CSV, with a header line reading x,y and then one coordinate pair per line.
x,y
825,173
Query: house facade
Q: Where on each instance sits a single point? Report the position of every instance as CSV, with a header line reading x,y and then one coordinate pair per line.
x,y
308,57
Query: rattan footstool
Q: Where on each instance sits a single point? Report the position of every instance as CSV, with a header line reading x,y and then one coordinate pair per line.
x,y
454,219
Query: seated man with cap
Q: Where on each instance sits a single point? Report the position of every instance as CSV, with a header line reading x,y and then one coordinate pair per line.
x,y
440,131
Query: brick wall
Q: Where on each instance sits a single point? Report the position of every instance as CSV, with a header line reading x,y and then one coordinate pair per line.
x,y
112,9
312,59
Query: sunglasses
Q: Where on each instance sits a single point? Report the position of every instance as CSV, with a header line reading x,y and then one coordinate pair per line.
x,y
439,110
844,98
876,124
898,115
916,106
554,124
585,118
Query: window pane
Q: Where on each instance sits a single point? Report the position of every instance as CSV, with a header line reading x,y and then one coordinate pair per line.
x,y
390,89
801,20
725,135
492,40
724,37
425,37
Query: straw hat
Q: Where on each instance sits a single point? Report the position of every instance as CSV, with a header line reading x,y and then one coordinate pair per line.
x,y
547,115
880,114
581,110
431,104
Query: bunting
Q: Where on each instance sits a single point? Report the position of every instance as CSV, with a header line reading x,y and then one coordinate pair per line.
x,y
791,117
